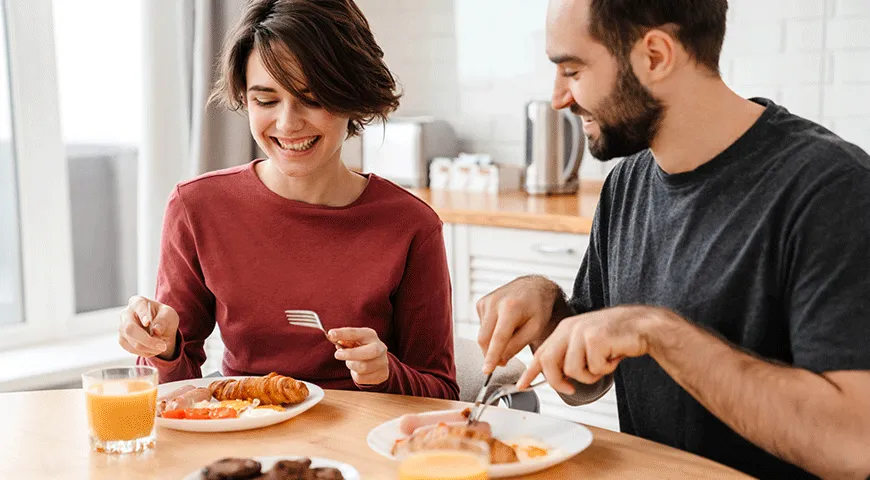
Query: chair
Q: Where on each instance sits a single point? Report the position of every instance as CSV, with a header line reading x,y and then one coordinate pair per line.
x,y
469,362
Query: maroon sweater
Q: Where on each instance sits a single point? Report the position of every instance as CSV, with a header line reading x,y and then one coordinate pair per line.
x,y
237,254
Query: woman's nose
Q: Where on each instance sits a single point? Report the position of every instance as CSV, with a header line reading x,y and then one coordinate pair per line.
x,y
290,119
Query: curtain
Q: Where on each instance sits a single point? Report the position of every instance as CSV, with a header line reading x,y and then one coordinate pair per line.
x,y
183,137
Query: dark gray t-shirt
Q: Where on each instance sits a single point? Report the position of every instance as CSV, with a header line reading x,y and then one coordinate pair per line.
x,y
767,244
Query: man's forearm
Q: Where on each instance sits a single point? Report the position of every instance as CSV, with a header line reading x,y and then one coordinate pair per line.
x,y
793,413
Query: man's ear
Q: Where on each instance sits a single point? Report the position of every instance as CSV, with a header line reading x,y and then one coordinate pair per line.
x,y
655,56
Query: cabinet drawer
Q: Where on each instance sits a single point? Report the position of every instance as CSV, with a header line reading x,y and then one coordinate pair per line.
x,y
528,245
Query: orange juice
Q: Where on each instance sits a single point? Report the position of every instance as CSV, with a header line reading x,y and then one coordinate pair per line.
x,y
121,409
443,465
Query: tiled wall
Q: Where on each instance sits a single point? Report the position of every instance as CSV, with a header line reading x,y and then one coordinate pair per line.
x,y
812,56
477,62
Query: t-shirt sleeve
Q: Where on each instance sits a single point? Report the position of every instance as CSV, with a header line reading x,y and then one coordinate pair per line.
x,y
589,292
827,277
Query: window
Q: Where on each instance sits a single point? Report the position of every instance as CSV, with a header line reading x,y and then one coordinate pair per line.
x,y
99,65
68,205
10,251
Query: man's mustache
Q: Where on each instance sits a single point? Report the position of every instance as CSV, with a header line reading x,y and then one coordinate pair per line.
x,y
578,110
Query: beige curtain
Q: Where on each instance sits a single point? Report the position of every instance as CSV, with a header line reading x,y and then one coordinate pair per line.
x,y
182,137
218,138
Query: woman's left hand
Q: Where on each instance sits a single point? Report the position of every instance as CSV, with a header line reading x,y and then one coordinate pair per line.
x,y
368,362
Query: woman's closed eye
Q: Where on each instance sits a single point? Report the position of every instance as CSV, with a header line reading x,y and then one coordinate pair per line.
x,y
264,102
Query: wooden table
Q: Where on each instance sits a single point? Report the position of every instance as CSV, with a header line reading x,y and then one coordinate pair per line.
x,y
44,436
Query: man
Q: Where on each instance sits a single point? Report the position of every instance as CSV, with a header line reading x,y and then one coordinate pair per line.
x,y
727,282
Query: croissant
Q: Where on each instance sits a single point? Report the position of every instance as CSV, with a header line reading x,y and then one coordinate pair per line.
x,y
273,389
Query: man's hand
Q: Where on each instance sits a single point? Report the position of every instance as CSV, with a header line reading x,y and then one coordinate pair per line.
x,y
514,316
589,346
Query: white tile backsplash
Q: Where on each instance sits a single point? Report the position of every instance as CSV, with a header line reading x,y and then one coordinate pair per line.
x,y
801,35
846,33
477,62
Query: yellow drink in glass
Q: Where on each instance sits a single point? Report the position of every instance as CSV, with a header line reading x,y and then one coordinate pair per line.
x,y
445,458
121,404
443,465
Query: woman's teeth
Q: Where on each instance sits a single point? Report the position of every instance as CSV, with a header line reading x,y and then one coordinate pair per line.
x,y
296,146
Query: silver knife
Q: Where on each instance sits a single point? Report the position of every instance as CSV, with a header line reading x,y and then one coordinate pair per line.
x,y
479,400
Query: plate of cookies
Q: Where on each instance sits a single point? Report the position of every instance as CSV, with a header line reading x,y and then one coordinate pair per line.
x,y
275,468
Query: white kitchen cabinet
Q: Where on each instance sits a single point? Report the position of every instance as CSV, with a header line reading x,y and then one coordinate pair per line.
x,y
484,258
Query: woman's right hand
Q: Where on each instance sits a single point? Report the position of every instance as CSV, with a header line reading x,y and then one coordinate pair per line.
x,y
148,328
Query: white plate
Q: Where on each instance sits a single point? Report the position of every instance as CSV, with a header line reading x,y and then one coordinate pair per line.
x,y
315,395
562,438
347,471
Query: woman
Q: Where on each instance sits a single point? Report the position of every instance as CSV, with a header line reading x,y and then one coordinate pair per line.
x,y
299,230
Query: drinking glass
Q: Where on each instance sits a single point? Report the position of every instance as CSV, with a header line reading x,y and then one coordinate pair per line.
x,y
121,403
451,458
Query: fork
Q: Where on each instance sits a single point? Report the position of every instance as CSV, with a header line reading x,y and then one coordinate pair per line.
x,y
500,392
310,319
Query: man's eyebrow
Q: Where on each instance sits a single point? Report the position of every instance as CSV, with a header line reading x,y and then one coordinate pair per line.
x,y
565,58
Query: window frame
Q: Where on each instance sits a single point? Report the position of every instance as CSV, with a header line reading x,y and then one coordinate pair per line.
x,y
47,282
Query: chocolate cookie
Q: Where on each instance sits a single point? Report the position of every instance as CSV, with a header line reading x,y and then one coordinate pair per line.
x,y
327,474
290,470
232,469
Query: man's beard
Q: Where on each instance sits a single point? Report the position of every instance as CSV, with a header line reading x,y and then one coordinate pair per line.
x,y
628,118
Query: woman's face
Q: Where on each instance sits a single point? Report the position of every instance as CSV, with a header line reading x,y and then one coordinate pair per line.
x,y
301,140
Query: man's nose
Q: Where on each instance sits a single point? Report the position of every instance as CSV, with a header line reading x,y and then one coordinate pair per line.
x,y
562,97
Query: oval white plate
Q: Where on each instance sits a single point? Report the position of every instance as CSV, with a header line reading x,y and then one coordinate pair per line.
x,y
563,439
315,395
347,471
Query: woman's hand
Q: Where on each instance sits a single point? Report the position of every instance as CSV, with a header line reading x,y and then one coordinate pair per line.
x,y
148,328
368,362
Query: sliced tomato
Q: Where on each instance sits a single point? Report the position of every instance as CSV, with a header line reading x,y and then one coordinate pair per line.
x,y
200,413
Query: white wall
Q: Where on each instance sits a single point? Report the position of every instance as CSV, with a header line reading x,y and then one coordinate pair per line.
x,y
812,56
477,62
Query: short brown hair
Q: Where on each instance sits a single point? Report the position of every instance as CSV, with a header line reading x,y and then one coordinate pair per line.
x,y
342,67
699,25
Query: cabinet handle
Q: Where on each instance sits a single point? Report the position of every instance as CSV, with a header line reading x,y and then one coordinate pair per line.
x,y
553,250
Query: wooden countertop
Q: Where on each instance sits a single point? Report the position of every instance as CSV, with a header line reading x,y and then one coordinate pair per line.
x,y
555,213
45,437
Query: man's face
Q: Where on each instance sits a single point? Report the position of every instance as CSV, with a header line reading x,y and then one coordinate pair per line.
x,y
620,116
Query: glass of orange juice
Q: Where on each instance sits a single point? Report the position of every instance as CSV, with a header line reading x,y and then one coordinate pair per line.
x,y
446,459
121,404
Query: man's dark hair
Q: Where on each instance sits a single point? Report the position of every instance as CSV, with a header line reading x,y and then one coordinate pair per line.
x,y
699,25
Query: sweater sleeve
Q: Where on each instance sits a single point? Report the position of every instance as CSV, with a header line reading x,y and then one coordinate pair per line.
x,y
421,347
181,285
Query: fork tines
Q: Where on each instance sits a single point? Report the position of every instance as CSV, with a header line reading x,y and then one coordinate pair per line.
x,y
303,318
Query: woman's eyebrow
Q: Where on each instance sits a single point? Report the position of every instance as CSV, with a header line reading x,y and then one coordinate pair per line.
x,y
260,88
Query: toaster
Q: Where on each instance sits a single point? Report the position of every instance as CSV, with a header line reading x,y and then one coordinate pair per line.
x,y
400,149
